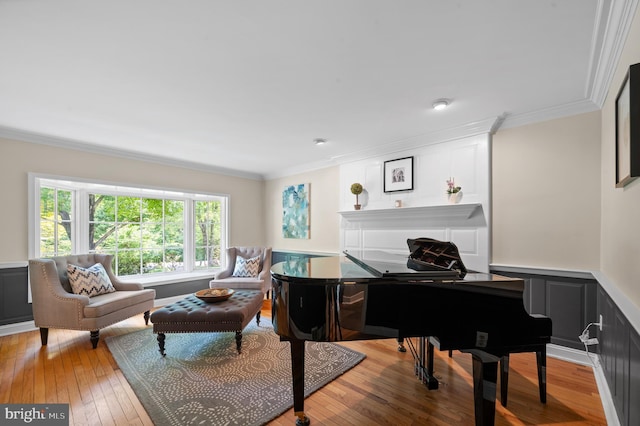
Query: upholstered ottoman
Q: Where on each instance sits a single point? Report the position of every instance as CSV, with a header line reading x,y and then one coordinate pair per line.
x,y
192,315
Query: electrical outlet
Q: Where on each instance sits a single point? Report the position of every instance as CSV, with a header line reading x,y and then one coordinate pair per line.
x,y
593,341
600,323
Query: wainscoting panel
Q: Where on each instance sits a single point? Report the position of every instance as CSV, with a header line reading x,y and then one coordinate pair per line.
x,y
569,319
14,291
396,241
466,240
619,351
352,239
634,379
569,302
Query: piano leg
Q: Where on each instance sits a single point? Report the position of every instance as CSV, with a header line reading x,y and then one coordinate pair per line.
x,y
504,379
485,376
430,380
541,358
297,371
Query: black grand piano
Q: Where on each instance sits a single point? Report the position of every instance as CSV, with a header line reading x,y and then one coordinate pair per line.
x,y
427,295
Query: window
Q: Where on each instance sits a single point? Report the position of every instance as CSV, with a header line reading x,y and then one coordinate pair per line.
x,y
207,234
55,221
147,231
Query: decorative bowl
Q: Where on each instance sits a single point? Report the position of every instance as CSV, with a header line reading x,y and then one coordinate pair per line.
x,y
212,295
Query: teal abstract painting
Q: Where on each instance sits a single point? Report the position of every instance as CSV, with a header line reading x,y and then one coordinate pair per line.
x,y
295,211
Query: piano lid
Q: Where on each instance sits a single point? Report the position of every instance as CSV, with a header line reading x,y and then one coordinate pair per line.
x,y
360,265
389,265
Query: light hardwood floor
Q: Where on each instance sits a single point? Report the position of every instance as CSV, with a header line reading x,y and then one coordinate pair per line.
x,y
381,390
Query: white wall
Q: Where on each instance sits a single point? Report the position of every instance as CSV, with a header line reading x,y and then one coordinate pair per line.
x,y
620,234
17,159
466,159
382,226
546,194
323,215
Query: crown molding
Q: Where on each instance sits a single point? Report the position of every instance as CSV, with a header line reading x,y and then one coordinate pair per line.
x,y
551,113
486,126
42,139
613,21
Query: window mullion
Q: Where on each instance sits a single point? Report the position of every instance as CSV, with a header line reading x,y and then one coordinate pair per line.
x,y
80,226
189,232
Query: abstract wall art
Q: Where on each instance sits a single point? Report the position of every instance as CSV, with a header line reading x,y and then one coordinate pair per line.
x,y
295,211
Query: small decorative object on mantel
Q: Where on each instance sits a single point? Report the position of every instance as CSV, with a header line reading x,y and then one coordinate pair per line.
x,y
454,192
356,189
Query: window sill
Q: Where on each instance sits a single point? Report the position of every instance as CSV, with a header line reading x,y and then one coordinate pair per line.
x,y
148,281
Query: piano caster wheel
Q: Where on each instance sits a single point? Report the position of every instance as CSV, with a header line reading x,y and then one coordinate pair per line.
x,y
401,347
302,420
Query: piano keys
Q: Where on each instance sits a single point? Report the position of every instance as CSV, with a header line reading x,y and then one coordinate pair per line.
x,y
374,295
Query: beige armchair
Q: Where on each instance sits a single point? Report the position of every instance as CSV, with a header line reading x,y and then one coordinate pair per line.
x,y
262,281
56,306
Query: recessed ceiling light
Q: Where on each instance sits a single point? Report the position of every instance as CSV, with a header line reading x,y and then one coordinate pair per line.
x,y
319,141
441,104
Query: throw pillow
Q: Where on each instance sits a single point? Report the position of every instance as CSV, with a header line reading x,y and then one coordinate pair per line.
x,y
247,267
90,281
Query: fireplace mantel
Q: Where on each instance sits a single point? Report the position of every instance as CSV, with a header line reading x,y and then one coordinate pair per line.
x,y
412,214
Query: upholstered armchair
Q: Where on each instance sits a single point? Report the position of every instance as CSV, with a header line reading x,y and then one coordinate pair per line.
x,y
56,305
246,268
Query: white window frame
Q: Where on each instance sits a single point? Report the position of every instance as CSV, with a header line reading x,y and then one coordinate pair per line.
x,y
80,223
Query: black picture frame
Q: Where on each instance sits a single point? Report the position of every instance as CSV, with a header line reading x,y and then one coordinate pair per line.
x,y
628,128
398,175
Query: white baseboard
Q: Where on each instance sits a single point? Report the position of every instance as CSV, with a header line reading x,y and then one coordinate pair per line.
x,y
591,360
18,327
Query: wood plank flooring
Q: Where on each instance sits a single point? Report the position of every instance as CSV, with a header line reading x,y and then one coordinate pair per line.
x,y
381,390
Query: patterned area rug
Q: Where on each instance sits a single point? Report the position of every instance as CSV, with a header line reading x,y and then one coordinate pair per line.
x,y
203,380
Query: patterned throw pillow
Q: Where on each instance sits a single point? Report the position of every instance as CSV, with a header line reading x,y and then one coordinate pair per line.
x,y
247,267
90,281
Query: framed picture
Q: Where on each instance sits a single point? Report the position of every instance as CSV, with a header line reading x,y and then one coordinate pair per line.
x,y
295,211
398,175
628,128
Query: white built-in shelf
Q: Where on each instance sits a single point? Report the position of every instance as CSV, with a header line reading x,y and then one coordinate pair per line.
x,y
448,211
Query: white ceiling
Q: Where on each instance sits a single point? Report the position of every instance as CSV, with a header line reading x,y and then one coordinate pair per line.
x,y
245,86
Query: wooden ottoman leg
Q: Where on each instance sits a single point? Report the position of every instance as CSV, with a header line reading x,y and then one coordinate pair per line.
x,y
258,318
161,338
239,340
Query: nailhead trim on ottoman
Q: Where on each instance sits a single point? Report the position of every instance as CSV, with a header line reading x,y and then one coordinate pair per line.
x,y
192,315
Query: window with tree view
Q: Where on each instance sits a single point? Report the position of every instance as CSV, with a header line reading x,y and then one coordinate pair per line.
x,y
207,234
55,222
170,232
145,235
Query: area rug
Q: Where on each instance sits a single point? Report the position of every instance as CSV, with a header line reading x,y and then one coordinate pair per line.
x,y
203,379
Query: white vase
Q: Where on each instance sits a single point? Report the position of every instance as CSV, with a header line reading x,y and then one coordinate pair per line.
x,y
455,197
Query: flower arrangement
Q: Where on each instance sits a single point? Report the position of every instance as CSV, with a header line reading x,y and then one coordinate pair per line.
x,y
451,186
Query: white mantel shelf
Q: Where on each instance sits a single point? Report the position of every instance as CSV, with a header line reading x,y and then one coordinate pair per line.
x,y
450,211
